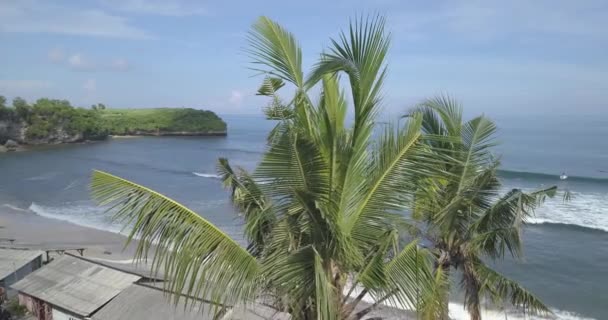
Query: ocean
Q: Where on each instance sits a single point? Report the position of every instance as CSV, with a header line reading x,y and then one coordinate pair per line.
x,y
566,245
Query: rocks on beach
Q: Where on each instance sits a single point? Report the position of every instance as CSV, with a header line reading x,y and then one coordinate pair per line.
x,y
9,145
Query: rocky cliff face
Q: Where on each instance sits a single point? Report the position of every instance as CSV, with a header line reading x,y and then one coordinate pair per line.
x,y
12,130
17,131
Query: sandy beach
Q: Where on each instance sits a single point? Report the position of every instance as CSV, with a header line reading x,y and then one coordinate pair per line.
x,y
32,231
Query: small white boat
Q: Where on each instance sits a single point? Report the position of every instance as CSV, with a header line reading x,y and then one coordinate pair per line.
x,y
563,176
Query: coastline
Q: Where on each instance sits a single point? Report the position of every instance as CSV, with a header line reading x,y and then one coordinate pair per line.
x,y
172,134
29,147
34,232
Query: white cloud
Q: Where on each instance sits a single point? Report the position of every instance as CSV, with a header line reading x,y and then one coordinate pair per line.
x,y
35,16
236,98
80,63
120,64
56,55
490,19
90,86
158,7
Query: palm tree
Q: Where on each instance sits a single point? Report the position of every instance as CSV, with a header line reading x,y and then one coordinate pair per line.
x,y
466,219
322,211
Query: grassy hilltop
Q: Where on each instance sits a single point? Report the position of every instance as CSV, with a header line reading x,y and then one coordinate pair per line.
x,y
162,121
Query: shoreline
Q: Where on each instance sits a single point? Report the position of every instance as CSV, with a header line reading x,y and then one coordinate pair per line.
x,y
32,147
35,232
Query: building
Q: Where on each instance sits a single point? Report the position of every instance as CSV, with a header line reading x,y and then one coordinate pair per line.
x,y
70,288
149,302
75,288
15,264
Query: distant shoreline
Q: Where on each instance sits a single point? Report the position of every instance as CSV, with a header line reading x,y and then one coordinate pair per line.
x,y
173,134
30,147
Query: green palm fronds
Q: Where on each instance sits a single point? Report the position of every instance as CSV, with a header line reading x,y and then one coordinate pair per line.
x,y
323,211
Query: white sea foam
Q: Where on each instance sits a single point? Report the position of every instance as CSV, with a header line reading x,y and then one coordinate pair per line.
x,y
10,206
42,177
458,312
80,214
206,175
71,185
589,210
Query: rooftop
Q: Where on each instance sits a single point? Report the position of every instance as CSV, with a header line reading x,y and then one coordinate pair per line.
x,y
149,302
12,260
76,285
141,302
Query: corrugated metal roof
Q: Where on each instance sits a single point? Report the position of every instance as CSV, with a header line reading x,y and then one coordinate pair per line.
x,y
141,269
145,302
12,260
140,302
75,285
255,311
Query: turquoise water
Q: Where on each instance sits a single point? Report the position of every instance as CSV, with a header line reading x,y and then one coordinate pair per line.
x,y
566,246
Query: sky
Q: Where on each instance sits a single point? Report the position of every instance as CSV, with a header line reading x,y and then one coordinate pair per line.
x,y
496,57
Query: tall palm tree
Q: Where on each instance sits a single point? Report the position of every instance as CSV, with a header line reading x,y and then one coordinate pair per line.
x,y
322,211
467,220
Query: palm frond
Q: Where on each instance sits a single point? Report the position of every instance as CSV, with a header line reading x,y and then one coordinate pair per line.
x,y
325,293
498,228
443,115
385,188
409,276
198,258
360,54
433,302
501,288
249,200
270,86
293,163
275,48
477,139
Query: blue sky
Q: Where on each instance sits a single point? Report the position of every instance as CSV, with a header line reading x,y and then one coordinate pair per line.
x,y
497,57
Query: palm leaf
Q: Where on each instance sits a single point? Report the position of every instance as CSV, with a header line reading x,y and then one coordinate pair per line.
x,y
249,200
498,228
409,276
197,258
277,49
500,287
360,54
385,189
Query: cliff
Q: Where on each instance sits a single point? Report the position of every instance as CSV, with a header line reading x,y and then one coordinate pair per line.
x,y
48,121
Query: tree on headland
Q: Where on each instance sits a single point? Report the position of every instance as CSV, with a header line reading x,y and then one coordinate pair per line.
x,y
321,211
467,220
99,106
21,107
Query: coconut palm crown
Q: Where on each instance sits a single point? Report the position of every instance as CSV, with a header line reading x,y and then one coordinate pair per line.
x,y
322,211
467,220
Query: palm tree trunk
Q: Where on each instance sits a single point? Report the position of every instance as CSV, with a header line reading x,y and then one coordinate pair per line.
x,y
472,288
443,262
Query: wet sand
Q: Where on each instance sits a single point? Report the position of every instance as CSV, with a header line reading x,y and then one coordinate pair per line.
x,y
32,231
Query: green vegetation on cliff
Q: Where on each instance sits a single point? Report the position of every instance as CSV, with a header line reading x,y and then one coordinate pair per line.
x,y
162,121
57,121
50,120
